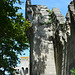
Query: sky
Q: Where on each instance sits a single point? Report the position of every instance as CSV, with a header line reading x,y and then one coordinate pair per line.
x,y
61,4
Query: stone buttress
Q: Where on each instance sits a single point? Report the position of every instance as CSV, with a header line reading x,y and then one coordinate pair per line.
x,y
41,41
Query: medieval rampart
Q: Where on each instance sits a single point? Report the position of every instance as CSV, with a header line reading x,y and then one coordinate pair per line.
x,y
52,40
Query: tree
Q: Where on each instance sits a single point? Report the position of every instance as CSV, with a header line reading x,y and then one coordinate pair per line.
x,y
13,39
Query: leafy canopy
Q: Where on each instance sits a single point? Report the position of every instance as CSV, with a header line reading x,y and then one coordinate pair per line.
x,y
13,39
73,71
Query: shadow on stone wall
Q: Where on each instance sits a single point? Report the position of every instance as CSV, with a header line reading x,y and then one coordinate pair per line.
x,y
58,53
42,52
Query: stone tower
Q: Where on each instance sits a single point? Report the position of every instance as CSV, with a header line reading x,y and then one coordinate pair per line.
x,y
23,69
42,52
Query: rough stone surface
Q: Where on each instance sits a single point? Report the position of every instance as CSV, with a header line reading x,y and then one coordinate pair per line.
x,y
52,46
64,43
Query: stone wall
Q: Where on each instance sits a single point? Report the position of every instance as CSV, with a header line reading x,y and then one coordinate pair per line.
x,y
70,46
23,69
42,51
51,44
64,41
58,42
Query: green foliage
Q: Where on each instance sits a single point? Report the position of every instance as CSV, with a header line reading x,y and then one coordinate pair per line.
x,y
63,26
27,25
73,71
50,18
42,23
50,12
41,15
13,39
49,22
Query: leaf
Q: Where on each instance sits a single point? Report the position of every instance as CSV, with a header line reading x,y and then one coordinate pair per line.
x,y
13,37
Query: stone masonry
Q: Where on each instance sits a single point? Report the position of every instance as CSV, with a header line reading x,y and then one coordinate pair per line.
x,y
23,69
52,46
